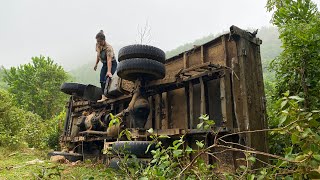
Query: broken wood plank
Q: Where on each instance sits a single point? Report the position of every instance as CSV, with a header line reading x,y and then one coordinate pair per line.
x,y
158,109
202,97
185,61
150,117
191,105
165,120
202,54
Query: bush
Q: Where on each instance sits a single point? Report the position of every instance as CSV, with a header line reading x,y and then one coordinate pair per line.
x,y
11,121
19,127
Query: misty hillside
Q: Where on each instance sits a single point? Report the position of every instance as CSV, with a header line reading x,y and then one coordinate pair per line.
x,y
270,48
85,74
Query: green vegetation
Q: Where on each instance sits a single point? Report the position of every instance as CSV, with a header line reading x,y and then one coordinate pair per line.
x,y
35,86
33,106
297,67
22,128
3,85
33,164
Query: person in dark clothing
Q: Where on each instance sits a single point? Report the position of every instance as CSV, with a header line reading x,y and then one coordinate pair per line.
x,y
105,54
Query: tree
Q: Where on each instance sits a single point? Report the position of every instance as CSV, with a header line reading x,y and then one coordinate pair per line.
x,y
3,85
35,86
297,67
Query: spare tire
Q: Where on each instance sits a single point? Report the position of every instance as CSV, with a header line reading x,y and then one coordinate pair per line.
x,y
141,51
132,69
73,88
137,148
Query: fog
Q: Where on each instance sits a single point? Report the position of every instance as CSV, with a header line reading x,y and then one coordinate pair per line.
x,y
65,30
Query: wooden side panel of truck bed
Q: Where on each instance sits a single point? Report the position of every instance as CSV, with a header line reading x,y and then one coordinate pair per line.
x,y
235,101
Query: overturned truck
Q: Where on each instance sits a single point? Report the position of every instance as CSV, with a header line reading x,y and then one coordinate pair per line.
x,y
221,78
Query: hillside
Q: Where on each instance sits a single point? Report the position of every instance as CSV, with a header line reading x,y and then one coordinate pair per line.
x,y
86,75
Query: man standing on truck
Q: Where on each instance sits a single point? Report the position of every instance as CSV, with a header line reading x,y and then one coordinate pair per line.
x,y
105,54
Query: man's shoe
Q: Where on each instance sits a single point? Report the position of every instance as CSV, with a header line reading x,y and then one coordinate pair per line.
x,y
104,98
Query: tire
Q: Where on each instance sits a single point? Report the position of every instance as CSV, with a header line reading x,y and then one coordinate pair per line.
x,y
132,69
114,163
72,157
73,88
137,148
92,93
141,51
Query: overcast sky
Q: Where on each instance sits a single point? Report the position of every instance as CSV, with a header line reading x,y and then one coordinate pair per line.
x,y
65,29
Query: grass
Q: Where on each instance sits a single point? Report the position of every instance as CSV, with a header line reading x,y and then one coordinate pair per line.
x,y
34,164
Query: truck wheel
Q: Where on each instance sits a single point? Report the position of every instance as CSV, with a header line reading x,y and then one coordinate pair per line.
x,y
141,51
132,69
137,148
73,88
114,163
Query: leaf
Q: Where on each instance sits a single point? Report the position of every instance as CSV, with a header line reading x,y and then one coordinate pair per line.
x,y
158,144
154,161
210,122
282,119
111,115
314,174
314,148
300,158
165,157
175,142
306,132
294,138
150,130
250,177
143,178
199,144
316,157
204,117
286,94
252,159
288,178
199,126
177,153
163,137
189,149
283,103
299,99
206,127
148,148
